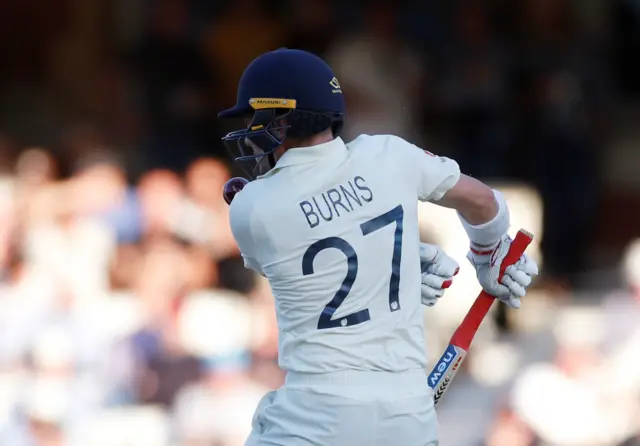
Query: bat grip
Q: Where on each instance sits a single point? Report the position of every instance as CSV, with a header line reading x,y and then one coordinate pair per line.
x,y
517,248
469,326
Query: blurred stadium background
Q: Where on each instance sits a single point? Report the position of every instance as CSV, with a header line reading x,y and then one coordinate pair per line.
x,y
126,317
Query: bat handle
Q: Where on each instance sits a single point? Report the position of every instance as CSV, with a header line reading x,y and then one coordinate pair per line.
x,y
517,248
467,330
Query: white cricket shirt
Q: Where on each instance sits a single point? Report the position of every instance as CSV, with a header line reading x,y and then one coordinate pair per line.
x,y
334,228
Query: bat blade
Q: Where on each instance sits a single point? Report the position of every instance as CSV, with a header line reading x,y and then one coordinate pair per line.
x,y
445,370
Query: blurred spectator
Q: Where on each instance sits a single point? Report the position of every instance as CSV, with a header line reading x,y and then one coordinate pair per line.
x,y
8,224
65,235
509,430
160,193
475,93
226,389
381,75
155,364
589,358
7,151
560,119
228,394
205,179
173,76
35,167
241,31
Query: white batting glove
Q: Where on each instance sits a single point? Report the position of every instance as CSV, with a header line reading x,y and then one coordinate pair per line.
x,y
438,270
517,277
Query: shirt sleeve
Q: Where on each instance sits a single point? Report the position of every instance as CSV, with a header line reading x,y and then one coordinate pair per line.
x,y
433,175
241,217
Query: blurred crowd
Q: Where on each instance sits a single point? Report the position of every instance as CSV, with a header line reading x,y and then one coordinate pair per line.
x,y
126,316
115,296
587,391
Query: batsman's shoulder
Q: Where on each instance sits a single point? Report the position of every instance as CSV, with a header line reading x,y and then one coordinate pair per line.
x,y
394,149
386,149
376,142
242,208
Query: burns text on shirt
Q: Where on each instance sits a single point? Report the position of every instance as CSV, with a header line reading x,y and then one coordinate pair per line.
x,y
340,199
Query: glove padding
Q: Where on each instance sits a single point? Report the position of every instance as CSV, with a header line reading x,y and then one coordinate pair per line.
x,y
517,277
438,270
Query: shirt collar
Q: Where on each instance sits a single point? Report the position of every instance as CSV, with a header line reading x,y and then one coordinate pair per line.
x,y
305,155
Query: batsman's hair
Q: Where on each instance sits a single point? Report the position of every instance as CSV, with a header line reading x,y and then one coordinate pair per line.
x,y
304,124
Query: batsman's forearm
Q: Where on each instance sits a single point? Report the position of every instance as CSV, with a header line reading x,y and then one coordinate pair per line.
x,y
485,236
473,199
484,213
481,207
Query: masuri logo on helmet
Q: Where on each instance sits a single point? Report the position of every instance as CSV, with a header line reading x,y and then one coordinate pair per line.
x,y
262,103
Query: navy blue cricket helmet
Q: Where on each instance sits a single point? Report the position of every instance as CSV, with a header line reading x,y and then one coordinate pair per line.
x,y
282,93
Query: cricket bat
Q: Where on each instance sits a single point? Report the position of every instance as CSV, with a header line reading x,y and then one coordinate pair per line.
x,y
447,366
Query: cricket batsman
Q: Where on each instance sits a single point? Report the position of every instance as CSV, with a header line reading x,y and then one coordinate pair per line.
x,y
333,226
